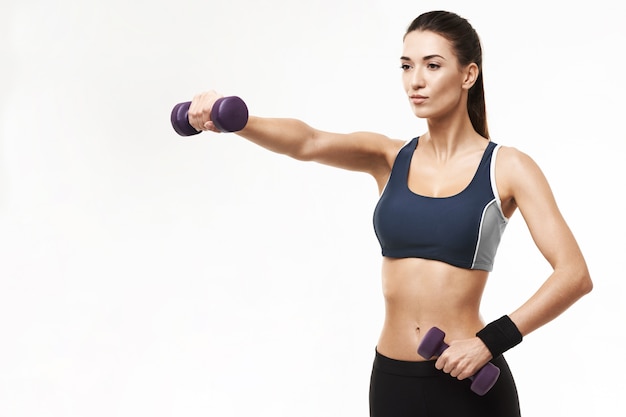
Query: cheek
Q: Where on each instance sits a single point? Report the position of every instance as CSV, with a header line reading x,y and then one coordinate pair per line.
x,y
448,89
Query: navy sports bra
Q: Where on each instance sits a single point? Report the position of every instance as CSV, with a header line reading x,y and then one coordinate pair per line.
x,y
463,230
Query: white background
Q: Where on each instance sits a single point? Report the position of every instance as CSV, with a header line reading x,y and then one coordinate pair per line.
x,y
145,274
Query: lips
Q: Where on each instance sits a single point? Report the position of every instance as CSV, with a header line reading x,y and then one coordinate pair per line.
x,y
418,99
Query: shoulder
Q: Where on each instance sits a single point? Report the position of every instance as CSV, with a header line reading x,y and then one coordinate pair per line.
x,y
380,141
518,173
379,144
358,151
512,161
383,151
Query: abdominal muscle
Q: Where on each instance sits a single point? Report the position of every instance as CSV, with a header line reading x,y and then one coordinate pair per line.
x,y
422,293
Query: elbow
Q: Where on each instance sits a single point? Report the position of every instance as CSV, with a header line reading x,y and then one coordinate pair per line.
x,y
306,149
584,282
586,285
300,153
577,276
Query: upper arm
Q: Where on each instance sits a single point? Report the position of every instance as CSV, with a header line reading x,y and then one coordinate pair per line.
x,y
526,186
359,151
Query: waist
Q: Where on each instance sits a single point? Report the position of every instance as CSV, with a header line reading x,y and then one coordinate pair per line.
x,y
400,338
420,294
422,368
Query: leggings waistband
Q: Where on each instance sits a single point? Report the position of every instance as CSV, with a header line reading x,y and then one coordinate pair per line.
x,y
405,368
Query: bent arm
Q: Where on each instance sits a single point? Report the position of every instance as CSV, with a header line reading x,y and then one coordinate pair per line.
x,y
522,184
570,279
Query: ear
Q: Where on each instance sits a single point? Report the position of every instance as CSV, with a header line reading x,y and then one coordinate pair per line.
x,y
471,75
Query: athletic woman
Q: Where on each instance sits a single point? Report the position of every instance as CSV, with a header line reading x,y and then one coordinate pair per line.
x,y
445,200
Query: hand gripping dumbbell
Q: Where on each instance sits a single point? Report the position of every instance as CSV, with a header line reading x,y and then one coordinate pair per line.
x,y
433,345
229,114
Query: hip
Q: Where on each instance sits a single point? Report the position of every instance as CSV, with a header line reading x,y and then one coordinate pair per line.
x,y
406,388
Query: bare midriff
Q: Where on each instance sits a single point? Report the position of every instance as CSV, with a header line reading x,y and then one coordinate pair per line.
x,y
422,293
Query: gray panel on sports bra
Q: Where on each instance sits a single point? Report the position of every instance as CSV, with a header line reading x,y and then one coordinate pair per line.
x,y
491,229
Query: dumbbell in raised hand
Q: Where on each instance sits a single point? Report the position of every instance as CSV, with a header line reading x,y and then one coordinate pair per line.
x,y
433,345
229,114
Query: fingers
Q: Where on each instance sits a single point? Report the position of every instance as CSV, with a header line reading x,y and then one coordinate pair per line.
x,y
211,126
459,368
446,365
199,114
463,358
450,367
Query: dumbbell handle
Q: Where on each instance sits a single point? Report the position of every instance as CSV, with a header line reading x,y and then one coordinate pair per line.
x,y
228,114
433,345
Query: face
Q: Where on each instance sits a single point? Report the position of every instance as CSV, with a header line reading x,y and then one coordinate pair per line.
x,y
431,75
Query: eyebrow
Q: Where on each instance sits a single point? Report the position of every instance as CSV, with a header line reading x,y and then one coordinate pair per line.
x,y
426,58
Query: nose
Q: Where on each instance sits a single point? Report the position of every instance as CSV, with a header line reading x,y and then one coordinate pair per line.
x,y
416,80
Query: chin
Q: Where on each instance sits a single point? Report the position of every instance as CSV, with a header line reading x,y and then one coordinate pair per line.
x,y
421,113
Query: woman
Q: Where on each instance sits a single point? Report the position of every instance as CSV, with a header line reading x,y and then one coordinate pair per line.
x,y
446,197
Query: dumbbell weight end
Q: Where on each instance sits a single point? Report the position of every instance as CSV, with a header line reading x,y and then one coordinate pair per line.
x,y
228,114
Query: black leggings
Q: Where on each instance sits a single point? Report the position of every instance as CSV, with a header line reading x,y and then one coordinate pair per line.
x,y
418,389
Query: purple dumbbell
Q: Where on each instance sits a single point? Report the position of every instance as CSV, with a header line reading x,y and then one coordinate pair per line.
x,y
433,345
229,114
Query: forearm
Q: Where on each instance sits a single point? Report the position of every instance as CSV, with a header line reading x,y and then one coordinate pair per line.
x,y
557,294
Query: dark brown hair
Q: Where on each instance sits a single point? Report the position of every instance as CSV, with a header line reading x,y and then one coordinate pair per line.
x,y
466,44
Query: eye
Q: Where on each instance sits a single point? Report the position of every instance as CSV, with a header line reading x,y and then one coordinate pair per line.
x,y
405,67
433,66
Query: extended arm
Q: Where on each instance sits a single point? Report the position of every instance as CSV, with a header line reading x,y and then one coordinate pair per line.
x,y
359,151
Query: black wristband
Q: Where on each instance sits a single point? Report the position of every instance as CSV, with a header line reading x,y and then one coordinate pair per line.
x,y
500,336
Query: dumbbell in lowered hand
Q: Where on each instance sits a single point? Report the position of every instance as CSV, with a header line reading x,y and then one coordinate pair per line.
x,y
433,345
228,114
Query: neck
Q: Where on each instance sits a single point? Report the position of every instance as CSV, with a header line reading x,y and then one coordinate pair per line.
x,y
451,135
